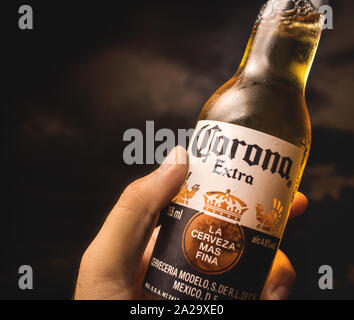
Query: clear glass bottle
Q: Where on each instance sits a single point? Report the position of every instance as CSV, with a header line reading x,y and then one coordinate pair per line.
x,y
247,156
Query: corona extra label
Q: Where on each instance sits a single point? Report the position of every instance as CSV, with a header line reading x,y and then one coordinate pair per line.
x,y
230,224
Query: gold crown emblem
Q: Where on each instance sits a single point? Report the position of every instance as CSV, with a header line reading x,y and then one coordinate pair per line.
x,y
224,204
270,221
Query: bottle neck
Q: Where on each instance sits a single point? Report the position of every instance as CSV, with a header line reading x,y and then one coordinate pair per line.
x,y
280,52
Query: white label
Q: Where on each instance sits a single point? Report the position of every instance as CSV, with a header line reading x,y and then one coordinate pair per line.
x,y
241,175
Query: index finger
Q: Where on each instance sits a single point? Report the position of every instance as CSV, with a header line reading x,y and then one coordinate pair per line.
x,y
299,206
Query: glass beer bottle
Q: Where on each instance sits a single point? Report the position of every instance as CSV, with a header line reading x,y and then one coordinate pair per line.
x,y
246,158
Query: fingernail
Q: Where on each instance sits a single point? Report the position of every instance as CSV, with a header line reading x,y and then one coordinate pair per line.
x,y
178,155
280,293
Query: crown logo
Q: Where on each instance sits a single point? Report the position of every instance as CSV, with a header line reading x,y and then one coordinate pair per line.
x,y
184,194
224,204
270,221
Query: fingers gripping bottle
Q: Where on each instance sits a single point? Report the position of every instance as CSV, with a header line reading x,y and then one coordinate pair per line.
x,y
247,155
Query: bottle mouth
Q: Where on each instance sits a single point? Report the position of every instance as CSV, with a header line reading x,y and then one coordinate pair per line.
x,y
289,10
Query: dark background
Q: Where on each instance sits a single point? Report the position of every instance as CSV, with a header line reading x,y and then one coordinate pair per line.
x,y
87,72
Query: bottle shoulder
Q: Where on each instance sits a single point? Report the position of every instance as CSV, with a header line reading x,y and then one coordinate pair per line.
x,y
275,110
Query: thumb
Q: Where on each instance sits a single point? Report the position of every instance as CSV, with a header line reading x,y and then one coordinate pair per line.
x,y
119,245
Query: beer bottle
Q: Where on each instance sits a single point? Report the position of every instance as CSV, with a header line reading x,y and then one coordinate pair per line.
x,y
247,155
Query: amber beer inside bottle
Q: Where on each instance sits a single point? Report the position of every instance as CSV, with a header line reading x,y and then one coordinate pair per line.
x,y
267,93
266,99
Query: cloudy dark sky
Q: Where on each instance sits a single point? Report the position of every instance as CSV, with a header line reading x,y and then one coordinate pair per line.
x,y
87,72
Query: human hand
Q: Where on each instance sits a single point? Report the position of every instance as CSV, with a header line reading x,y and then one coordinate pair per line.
x,y
114,264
